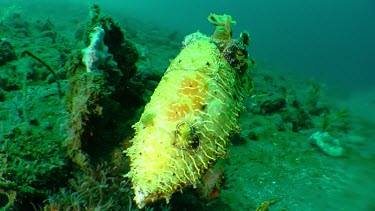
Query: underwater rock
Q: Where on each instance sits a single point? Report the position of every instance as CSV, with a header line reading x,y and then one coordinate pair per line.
x,y
51,34
327,144
300,119
15,20
96,89
272,105
6,52
186,126
253,136
45,25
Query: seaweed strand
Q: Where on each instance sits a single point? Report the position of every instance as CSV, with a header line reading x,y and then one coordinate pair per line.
x,y
47,66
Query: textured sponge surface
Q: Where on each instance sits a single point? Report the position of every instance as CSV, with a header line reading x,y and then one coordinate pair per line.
x,y
186,125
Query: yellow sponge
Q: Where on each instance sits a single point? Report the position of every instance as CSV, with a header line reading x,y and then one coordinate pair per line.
x,y
186,125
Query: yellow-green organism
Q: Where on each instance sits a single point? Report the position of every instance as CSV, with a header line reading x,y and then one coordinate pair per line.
x,y
187,124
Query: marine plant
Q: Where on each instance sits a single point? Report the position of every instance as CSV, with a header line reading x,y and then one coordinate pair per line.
x,y
334,121
92,189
